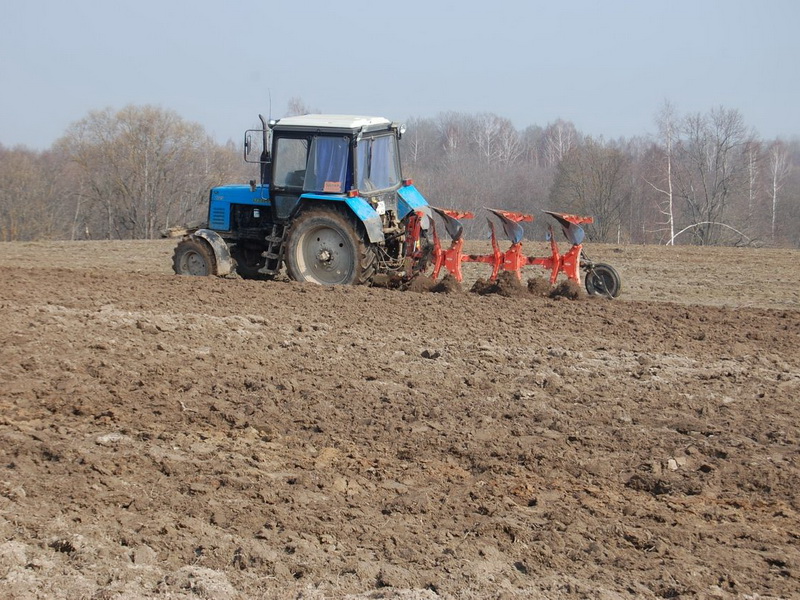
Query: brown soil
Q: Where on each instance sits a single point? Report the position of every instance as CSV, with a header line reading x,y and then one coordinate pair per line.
x,y
172,437
539,286
420,283
447,285
507,284
568,289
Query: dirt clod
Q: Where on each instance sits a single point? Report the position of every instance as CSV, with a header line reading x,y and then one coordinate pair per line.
x,y
507,284
483,287
420,283
569,289
447,285
539,286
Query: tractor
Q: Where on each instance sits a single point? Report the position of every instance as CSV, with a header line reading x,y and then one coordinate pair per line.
x,y
333,207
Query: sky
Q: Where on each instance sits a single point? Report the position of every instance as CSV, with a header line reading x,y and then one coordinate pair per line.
x,y
607,65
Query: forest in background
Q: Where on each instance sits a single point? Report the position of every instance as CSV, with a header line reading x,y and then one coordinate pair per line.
x,y
703,178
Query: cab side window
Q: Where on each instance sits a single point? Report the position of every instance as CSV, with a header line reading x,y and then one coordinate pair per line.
x,y
327,165
290,159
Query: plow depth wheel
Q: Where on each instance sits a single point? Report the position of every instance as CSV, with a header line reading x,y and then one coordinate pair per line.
x,y
326,247
603,280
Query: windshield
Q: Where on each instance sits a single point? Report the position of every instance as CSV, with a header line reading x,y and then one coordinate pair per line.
x,y
378,164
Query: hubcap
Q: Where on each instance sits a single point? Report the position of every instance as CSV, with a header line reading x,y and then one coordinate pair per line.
x,y
326,256
194,264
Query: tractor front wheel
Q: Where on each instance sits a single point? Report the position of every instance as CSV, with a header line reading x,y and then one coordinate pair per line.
x,y
194,257
602,279
327,247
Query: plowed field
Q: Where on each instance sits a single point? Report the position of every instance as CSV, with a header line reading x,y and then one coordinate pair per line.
x,y
170,437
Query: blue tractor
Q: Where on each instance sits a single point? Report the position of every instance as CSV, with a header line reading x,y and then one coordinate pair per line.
x,y
331,206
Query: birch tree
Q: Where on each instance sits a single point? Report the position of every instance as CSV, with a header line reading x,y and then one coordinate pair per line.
x,y
559,138
667,122
418,143
779,169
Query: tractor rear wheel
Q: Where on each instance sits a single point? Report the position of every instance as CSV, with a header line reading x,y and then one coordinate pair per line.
x,y
327,247
194,257
603,280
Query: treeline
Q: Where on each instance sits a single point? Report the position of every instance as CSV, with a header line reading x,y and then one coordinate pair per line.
x,y
703,178
125,174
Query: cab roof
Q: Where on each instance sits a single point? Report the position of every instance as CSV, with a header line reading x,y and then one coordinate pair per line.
x,y
333,122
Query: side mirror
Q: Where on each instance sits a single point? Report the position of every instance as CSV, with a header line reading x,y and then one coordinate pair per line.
x,y
254,146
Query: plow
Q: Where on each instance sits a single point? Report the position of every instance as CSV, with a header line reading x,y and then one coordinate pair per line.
x,y
599,279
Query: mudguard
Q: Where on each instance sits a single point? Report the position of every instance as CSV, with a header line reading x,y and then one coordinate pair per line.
x,y
361,209
412,200
220,248
368,216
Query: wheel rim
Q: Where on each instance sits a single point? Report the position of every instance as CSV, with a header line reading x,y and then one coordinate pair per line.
x,y
194,264
602,281
326,256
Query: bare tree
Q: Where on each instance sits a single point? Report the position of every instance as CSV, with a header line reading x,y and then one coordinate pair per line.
x,y
496,141
753,156
668,133
643,213
419,142
453,133
592,179
510,146
140,167
531,140
559,138
485,134
779,169
28,191
711,168
297,106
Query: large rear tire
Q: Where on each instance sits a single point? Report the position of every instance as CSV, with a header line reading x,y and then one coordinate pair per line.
x,y
327,247
603,280
195,257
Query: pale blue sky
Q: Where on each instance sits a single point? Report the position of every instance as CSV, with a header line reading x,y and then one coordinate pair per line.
x,y
606,65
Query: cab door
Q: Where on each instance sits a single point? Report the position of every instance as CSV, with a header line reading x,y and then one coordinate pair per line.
x,y
320,165
289,160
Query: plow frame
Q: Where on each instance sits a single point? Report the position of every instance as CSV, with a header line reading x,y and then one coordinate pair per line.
x,y
513,259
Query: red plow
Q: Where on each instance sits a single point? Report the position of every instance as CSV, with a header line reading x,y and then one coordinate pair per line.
x,y
600,279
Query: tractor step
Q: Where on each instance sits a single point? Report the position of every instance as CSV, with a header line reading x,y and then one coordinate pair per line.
x,y
275,249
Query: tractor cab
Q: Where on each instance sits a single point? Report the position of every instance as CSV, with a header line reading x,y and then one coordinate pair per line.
x,y
319,157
